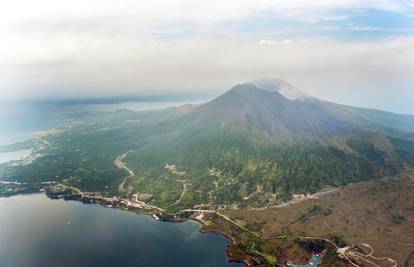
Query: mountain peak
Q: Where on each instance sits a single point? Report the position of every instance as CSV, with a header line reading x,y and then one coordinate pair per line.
x,y
285,89
275,109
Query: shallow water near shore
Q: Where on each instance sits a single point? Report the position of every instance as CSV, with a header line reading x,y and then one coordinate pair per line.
x,y
37,231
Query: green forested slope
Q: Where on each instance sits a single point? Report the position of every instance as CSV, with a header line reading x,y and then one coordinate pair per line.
x,y
233,150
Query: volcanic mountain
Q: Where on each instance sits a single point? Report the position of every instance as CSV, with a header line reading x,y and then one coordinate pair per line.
x,y
269,134
260,141
280,112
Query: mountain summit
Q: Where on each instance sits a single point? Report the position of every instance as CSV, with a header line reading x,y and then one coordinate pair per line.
x,y
258,143
280,86
275,110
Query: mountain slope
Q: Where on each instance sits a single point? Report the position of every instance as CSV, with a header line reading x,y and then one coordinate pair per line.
x,y
253,110
279,110
254,142
257,144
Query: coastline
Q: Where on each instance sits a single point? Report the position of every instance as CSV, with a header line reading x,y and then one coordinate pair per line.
x,y
229,237
140,212
230,259
156,213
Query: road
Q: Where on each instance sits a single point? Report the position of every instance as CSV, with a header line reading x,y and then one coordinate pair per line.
x,y
238,225
347,253
224,217
118,162
185,189
367,257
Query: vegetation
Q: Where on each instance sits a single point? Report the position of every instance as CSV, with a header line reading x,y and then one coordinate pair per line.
x,y
249,148
363,212
221,165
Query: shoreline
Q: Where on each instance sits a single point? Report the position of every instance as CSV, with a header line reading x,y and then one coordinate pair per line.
x,y
156,213
228,237
201,223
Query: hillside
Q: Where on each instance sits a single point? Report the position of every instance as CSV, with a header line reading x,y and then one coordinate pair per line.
x,y
377,213
254,146
268,113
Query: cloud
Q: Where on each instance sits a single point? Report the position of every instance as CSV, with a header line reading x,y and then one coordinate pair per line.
x,y
275,42
102,47
135,66
355,27
191,10
362,28
329,28
336,18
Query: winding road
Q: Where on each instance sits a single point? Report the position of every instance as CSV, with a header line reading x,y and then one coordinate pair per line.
x,y
185,189
348,253
118,162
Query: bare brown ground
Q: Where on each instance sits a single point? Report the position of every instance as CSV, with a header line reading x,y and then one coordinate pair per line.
x,y
379,213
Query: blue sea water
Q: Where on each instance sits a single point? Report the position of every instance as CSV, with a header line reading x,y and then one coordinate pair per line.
x,y
36,231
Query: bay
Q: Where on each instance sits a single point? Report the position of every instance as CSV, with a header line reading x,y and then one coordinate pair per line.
x,y
37,231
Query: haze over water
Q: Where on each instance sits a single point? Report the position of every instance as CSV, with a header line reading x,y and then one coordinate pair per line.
x,y
21,119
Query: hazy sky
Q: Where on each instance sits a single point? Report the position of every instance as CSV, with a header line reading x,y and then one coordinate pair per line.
x,y
359,52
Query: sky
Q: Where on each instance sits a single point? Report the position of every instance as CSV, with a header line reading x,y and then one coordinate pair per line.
x,y
356,52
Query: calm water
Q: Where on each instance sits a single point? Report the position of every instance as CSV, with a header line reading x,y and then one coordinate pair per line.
x,y
36,231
